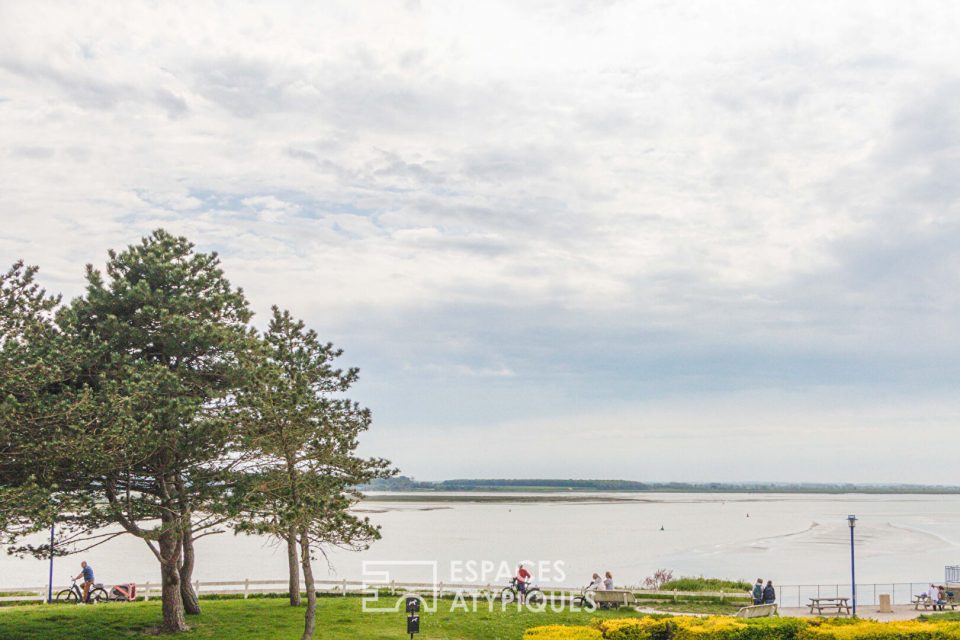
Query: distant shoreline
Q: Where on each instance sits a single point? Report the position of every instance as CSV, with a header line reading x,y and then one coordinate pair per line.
x,y
403,485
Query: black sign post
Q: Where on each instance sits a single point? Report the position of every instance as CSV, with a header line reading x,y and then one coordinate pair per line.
x,y
413,615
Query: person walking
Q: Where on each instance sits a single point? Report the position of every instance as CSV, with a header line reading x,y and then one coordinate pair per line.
x,y
769,593
758,592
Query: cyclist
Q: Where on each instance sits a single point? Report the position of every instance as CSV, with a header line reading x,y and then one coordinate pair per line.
x,y
523,577
87,574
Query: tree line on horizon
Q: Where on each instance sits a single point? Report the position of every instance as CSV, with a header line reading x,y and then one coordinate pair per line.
x,y
150,406
407,483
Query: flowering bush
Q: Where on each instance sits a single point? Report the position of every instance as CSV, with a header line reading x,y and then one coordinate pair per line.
x,y
658,579
692,628
728,628
647,628
871,630
562,632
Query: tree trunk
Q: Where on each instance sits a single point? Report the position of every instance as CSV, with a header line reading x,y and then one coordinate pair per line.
x,y
309,618
191,603
294,567
173,616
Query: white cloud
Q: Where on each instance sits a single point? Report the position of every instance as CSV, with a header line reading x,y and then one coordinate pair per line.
x,y
565,186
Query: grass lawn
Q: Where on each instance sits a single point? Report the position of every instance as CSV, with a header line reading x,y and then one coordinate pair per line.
x,y
274,619
953,616
694,607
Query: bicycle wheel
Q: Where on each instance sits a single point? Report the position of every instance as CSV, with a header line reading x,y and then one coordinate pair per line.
x,y
535,597
508,594
67,595
99,595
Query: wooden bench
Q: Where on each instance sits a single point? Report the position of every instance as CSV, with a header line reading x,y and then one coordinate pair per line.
x,y
757,611
831,605
613,598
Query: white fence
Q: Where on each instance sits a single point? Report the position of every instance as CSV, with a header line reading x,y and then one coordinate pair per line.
x,y
787,595
248,587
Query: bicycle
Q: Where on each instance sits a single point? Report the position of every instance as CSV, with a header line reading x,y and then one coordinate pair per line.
x,y
74,594
531,595
583,600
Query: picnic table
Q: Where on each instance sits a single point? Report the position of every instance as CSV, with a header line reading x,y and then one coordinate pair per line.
x,y
837,605
923,601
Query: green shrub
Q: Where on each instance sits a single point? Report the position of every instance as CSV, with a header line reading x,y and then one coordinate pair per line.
x,y
705,584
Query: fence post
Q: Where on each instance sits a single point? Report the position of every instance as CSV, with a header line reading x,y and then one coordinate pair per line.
x,y
721,595
674,595
146,592
196,589
344,587
246,588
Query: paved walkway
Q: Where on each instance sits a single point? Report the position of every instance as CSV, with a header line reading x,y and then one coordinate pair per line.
x,y
872,611
900,612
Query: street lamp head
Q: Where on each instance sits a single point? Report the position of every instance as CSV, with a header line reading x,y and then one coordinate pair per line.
x,y
852,520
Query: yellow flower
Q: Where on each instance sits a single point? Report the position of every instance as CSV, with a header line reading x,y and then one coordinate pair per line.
x,y
562,632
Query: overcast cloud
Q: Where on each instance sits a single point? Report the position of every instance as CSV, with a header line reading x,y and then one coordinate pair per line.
x,y
647,240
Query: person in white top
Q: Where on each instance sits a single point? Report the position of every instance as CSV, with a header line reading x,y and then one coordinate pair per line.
x,y
608,582
596,584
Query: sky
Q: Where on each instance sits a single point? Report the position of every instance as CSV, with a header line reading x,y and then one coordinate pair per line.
x,y
664,241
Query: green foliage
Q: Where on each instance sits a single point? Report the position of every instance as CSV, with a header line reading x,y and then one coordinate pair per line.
x,y
299,438
149,403
705,584
134,425
38,402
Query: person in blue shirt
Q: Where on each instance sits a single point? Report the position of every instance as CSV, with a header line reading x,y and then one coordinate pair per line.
x,y
87,573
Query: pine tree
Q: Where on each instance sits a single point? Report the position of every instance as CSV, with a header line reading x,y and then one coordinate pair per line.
x,y
160,345
300,440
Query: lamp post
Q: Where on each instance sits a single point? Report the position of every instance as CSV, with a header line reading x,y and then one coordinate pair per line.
x,y
50,583
852,521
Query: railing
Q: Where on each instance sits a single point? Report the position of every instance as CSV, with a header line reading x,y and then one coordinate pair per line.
x,y
148,590
868,594
952,574
787,595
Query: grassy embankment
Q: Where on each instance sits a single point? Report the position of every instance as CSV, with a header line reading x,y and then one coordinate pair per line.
x,y
338,618
699,604
273,619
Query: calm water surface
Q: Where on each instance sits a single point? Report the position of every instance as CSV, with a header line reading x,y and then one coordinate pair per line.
x,y
792,539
